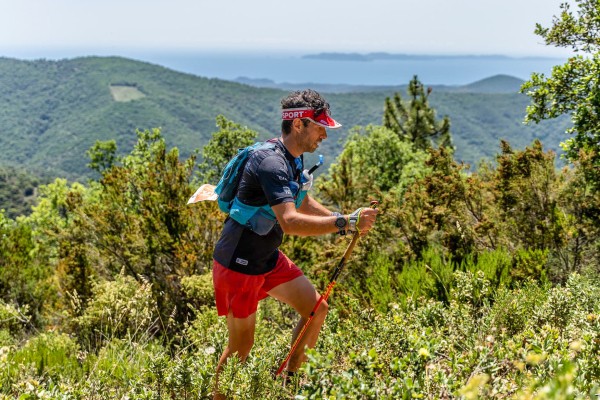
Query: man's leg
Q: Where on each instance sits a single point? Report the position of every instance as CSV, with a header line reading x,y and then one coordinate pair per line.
x,y
302,296
241,339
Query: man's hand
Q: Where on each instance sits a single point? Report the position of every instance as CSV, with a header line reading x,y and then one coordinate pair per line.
x,y
362,220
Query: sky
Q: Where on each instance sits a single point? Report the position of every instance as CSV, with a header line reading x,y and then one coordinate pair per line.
x,y
89,27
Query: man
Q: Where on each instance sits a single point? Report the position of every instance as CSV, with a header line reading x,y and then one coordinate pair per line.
x,y
248,265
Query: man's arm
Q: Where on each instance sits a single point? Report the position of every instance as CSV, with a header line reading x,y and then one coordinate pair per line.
x,y
312,207
295,223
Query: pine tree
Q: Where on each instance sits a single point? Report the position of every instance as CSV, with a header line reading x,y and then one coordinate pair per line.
x,y
415,120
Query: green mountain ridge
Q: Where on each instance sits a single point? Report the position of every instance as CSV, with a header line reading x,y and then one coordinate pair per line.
x,y
53,111
493,84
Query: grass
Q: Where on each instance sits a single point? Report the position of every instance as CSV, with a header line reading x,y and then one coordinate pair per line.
x,y
124,94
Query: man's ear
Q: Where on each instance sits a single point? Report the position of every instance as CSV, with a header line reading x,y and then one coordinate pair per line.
x,y
297,124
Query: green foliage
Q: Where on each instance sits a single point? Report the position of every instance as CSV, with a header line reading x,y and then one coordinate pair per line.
x,y
433,276
136,219
514,341
58,241
56,110
529,264
429,277
199,289
427,350
122,308
496,266
527,195
518,205
581,210
18,191
52,355
374,161
572,88
53,111
102,155
471,289
511,310
445,208
13,319
380,283
25,276
222,146
414,121
579,32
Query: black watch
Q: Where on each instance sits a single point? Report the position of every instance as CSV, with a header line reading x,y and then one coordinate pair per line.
x,y
341,223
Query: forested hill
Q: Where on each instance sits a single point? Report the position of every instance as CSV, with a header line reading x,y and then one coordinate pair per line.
x,y
53,111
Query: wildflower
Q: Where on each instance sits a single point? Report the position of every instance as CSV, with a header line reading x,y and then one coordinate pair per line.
x,y
4,353
471,389
576,346
535,358
591,317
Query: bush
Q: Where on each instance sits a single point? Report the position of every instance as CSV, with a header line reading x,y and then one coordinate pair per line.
x,y
52,355
511,310
118,309
13,320
430,277
199,290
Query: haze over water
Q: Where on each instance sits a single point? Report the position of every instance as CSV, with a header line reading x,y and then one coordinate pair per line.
x,y
281,67
296,69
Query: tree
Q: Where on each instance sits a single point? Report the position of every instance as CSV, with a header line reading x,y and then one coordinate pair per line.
x,y
573,88
527,196
446,209
25,275
415,120
136,220
222,146
102,155
374,160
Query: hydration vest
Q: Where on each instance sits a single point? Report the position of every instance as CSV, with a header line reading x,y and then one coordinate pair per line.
x,y
259,219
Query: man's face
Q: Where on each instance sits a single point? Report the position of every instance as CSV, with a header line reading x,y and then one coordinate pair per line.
x,y
311,136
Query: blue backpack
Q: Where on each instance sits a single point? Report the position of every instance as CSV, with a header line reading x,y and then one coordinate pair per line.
x,y
232,174
259,219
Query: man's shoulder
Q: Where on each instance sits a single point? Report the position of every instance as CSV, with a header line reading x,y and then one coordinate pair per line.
x,y
271,154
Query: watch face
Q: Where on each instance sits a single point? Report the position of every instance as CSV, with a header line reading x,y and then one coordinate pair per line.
x,y
340,222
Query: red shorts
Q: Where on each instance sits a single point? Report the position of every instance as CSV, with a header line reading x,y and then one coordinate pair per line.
x,y
240,293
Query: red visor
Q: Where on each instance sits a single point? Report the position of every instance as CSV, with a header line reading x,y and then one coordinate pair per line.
x,y
323,119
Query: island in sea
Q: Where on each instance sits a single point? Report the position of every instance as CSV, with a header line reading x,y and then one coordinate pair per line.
x,y
334,56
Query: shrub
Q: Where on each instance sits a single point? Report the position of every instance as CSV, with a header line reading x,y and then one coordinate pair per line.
x,y
430,277
53,355
379,282
13,319
511,311
529,264
117,309
199,290
495,265
471,289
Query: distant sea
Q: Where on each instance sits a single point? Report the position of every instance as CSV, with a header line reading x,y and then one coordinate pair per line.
x,y
352,69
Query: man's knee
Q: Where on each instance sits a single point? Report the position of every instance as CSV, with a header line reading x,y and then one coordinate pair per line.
x,y
241,348
322,310
243,353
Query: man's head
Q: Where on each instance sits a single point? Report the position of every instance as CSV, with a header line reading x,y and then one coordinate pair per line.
x,y
308,106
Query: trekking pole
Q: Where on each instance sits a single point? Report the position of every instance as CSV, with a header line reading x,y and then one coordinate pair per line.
x,y
325,296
